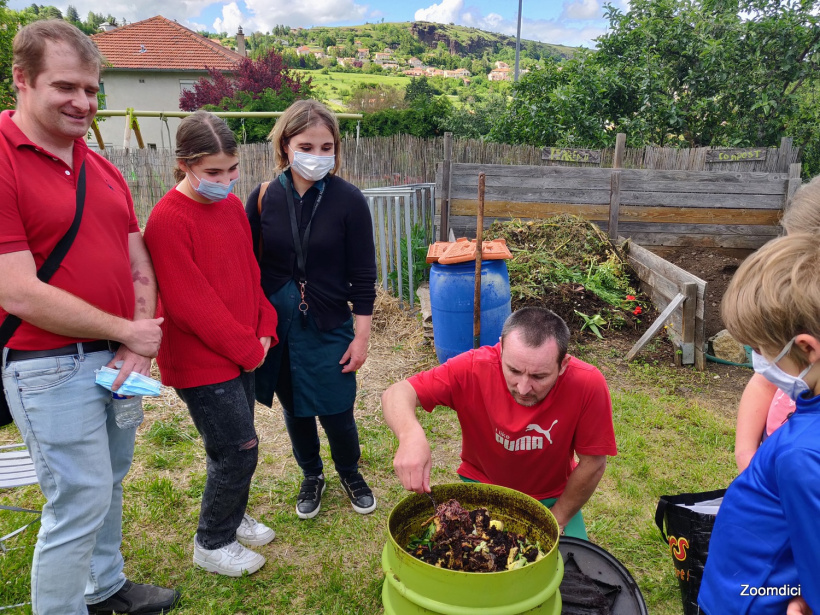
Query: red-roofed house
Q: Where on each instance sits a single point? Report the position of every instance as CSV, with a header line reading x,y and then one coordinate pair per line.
x,y
149,64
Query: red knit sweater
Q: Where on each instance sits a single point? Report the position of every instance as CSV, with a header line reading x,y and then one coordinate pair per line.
x,y
210,295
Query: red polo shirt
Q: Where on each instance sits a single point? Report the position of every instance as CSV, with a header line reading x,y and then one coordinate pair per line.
x,y
37,206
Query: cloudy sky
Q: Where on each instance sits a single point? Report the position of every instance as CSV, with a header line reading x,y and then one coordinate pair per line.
x,y
567,22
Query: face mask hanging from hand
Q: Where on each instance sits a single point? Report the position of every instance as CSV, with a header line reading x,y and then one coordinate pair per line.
x,y
793,386
312,168
135,384
213,191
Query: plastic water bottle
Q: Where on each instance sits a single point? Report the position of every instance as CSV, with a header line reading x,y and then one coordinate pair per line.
x,y
127,410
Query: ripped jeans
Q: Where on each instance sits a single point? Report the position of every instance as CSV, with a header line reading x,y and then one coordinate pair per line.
x,y
223,415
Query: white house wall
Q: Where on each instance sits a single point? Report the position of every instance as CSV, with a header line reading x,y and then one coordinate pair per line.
x,y
146,91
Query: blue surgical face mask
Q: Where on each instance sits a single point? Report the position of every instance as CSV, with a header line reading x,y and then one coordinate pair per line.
x,y
135,384
311,167
213,191
793,386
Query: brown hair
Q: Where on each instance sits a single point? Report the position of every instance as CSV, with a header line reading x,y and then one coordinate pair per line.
x,y
296,119
537,325
775,295
202,134
29,46
803,213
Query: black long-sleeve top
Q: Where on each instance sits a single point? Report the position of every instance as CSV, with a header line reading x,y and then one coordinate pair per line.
x,y
340,261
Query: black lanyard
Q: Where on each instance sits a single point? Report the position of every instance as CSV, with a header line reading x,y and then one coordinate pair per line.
x,y
301,246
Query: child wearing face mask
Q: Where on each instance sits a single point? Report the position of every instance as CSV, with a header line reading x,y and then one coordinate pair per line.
x,y
314,238
218,328
765,549
763,407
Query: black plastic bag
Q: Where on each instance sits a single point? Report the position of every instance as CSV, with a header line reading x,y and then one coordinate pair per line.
x,y
687,535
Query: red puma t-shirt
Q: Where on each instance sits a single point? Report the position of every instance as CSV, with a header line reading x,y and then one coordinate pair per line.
x,y
530,449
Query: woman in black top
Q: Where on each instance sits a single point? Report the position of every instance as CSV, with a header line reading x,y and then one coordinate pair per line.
x,y
314,236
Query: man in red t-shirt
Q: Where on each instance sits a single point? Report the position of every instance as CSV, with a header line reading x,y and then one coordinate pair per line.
x,y
97,309
526,409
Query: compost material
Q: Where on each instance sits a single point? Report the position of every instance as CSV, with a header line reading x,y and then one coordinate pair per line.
x,y
567,264
458,539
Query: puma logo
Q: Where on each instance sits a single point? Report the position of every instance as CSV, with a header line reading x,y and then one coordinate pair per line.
x,y
544,432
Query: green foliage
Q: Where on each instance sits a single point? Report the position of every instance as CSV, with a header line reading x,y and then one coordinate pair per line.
x,y
8,27
593,323
419,88
423,118
678,72
419,243
254,130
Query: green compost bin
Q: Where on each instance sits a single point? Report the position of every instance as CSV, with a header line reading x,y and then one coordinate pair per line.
x,y
412,586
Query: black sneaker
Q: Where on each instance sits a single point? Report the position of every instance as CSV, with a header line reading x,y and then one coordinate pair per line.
x,y
309,500
361,497
137,599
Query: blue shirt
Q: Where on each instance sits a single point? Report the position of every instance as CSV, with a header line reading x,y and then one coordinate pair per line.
x,y
765,546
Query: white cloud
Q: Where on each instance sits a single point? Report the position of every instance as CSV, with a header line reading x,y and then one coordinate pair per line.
x,y
449,11
580,22
264,14
231,19
145,9
583,9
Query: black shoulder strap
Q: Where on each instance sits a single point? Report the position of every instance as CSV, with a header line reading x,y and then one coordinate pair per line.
x,y
53,261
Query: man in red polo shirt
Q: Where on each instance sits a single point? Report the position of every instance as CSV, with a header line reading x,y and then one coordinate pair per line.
x,y
98,309
526,408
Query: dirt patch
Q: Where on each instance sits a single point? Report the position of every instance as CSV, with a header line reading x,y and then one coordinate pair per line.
x,y
713,267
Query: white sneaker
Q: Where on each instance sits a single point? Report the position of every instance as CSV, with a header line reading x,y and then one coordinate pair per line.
x,y
232,560
251,533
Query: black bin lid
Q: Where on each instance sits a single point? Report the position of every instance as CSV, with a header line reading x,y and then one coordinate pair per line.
x,y
595,582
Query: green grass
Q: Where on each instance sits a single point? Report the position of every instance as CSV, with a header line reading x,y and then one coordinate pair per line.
x,y
332,564
332,85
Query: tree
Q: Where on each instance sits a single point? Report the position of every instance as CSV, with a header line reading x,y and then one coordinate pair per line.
x,y
419,88
8,27
251,76
71,14
372,97
676,72
265,84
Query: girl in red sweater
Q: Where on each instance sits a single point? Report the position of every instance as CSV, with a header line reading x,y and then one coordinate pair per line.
x,y
218,328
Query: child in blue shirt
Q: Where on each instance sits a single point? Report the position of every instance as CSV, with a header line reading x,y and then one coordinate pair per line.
x,y
764,554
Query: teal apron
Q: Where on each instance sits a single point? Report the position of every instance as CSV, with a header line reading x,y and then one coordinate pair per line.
x,y
319,386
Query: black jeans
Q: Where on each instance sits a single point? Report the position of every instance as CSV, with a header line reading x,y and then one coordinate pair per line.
x,y
223,415
341,431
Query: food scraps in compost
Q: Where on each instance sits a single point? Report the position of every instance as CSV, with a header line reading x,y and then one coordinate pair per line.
x,y
458,539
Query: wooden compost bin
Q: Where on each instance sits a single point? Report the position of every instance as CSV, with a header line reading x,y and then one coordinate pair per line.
x,y
679,296
703,209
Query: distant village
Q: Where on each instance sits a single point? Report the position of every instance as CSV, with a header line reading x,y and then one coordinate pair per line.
x,y
416,68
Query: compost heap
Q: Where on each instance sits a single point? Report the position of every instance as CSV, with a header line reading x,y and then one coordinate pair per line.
x,y
458,539
567,264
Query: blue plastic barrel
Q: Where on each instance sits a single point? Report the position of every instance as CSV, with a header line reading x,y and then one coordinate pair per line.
x,y
452,297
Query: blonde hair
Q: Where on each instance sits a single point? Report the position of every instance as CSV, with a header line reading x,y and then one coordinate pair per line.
x,y
296,119
803,214
775,295
202,134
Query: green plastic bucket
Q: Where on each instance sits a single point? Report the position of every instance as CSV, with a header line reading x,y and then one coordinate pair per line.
x,y
412,586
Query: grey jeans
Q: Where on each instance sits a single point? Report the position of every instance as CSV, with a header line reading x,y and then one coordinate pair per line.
x,y
223,415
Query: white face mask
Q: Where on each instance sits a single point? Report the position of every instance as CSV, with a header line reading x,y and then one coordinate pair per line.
x,y
311,167
793,386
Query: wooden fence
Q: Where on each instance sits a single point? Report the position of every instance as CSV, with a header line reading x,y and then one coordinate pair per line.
x,y
402,159
653,208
